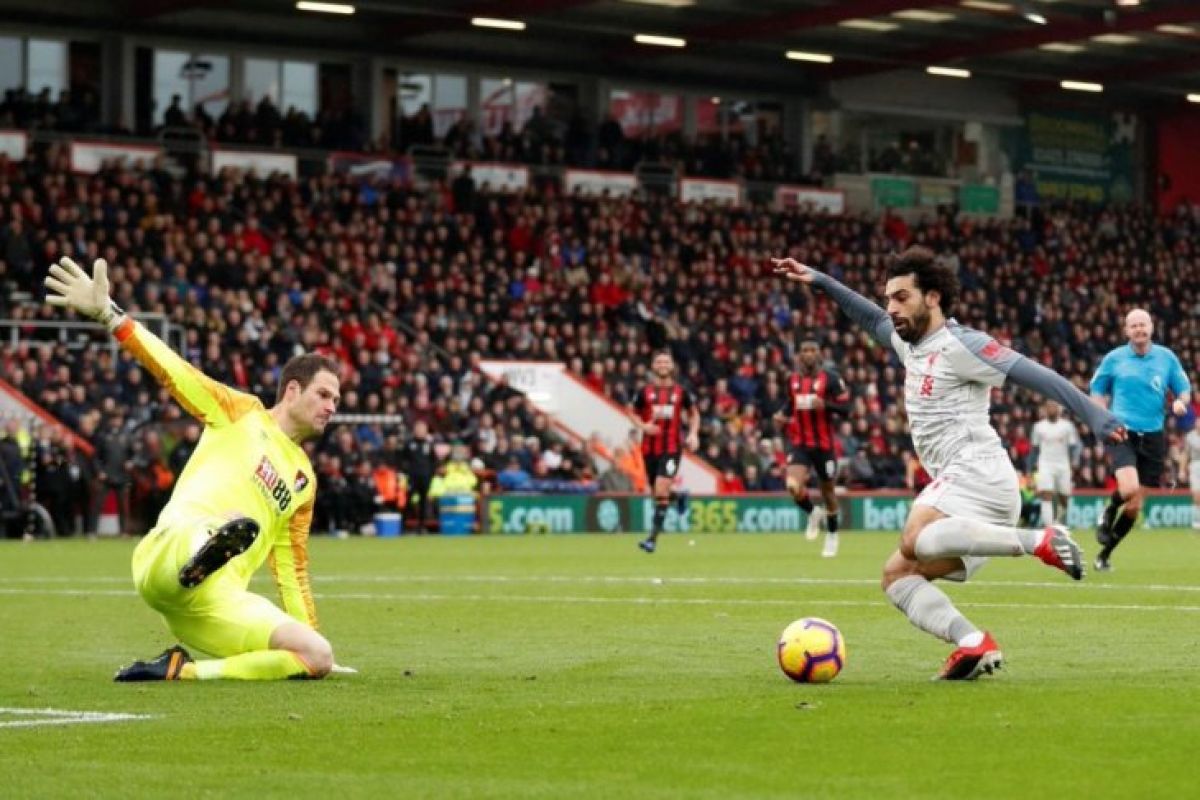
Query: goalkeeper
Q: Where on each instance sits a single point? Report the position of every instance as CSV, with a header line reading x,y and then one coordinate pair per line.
x,y
245,497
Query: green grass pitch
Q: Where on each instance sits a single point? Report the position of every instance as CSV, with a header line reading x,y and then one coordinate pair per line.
x,y
579,667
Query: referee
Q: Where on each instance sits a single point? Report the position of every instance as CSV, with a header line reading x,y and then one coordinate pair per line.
x,y
1137,377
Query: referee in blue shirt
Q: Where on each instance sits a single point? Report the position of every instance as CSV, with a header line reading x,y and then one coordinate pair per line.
x,y
1137,377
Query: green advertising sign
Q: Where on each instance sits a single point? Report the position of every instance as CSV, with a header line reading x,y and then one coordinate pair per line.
x,y
758,513
1079,156
893,192
979,199
519,513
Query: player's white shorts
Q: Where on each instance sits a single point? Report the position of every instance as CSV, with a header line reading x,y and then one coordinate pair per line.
x,y
1055,479
1194,476
984,489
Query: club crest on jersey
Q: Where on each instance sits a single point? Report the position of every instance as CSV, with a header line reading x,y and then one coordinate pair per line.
x,y
300,482
994,350
276,488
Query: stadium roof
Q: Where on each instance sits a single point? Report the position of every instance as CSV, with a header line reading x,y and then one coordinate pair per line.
x,y
1143,48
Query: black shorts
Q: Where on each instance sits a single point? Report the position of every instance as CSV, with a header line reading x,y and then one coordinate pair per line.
x,y
821,462
664,466
1147,452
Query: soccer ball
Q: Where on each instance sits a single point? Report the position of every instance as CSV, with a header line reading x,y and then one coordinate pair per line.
x,y
811,650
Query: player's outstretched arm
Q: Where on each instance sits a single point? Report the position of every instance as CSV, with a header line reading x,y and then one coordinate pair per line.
x,y
993,364
1033,376
213,403
870,316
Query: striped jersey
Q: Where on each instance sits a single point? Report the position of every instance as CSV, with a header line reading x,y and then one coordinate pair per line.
x,y
812,427
664,406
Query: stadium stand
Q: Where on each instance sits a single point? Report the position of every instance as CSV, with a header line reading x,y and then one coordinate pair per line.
x,y
409,289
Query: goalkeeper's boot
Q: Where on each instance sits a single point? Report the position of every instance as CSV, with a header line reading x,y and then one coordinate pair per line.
x,y
167,667
226,542
1058,550
968,663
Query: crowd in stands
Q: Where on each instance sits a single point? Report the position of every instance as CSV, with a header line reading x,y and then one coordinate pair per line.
x,y
263,124
409,288
540,140
70,113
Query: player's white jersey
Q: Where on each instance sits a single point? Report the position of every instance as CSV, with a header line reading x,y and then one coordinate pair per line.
x,y
1192,443
1054,441
947,393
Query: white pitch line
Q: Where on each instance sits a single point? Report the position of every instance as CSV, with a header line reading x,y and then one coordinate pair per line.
x,y
685,601
638,579
714,601
55,716
73,592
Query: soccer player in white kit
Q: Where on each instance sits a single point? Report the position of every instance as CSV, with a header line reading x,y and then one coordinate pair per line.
x,y
1057,444
969,510
1192,445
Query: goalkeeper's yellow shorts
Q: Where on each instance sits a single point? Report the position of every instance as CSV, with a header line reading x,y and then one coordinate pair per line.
x,y
218,617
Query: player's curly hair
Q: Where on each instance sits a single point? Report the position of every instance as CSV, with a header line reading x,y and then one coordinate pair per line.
x,y
303,369
930,274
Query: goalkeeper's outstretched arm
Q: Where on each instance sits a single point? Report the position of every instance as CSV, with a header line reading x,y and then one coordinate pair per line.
x,y
211,402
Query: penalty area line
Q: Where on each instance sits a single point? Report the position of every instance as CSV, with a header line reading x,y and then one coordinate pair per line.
x,y
642,600
714,601
36,717
681,580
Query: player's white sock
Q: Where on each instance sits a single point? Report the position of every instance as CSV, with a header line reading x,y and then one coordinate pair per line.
x,y
954,537
1047,512
928,607
971,639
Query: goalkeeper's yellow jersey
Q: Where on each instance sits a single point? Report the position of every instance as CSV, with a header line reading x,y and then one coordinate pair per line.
x,y
243,466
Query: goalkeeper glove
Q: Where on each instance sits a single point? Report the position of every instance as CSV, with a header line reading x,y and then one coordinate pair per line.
x,y
70,286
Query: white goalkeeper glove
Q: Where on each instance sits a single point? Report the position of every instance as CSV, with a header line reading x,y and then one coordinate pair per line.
x,y
71,287
338,669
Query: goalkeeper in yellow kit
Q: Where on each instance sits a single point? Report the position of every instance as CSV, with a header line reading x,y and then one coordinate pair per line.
x,y
245,497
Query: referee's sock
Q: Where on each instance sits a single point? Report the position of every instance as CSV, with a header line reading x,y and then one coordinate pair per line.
x,y
1110,512
1121,528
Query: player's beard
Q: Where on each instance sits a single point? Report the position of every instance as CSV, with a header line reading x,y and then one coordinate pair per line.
x,y
914,329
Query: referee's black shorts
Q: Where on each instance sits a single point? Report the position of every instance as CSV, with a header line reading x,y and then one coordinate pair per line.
x,y
1145,451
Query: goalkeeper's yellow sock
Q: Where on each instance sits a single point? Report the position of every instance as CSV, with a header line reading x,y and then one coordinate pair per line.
x,y
261,665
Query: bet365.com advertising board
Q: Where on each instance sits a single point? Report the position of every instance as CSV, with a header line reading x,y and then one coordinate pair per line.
x,y
758,513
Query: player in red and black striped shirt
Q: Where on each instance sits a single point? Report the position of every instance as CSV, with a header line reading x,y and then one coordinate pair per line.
x,y
814,395
659,410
